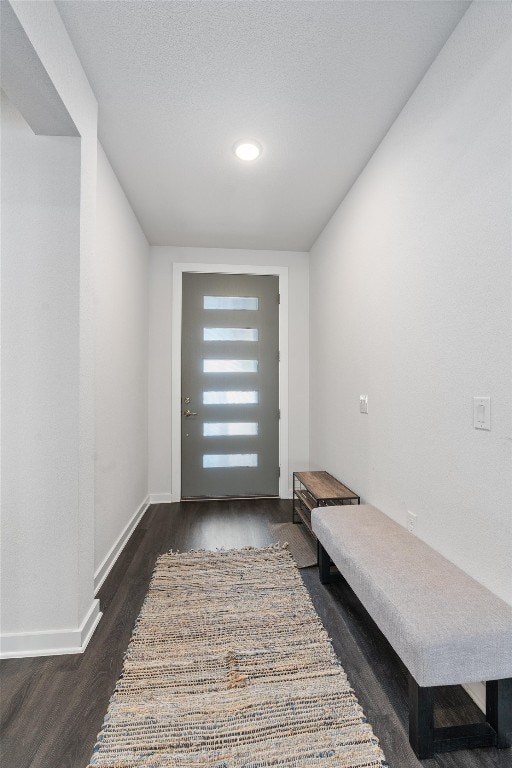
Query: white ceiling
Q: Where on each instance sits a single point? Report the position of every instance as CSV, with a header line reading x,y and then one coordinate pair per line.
x,y
317,83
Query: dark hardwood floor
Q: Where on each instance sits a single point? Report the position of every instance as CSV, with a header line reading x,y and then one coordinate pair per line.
x,y
52,708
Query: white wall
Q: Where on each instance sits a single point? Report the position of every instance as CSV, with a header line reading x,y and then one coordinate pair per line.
x,y
48,604
40,381
411,304
121,279
47,34
161,351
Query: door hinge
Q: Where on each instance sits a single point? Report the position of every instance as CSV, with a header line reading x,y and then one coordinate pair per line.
x,y
279,357
278,298
278,413
279,471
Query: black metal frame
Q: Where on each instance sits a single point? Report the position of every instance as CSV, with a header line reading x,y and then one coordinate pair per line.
x,y
324,564
424,738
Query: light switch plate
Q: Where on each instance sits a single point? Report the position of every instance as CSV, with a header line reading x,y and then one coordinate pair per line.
x,y
482,413
363,403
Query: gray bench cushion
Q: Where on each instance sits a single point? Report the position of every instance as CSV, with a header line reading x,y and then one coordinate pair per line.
x,y
446,627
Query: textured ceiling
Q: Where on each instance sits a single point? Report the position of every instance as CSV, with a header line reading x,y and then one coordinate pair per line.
x,y
317,83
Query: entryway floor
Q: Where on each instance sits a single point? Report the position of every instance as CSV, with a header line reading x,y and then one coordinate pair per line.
x,y
52,708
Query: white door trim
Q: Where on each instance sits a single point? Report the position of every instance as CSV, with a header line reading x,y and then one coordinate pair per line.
x,y
232,269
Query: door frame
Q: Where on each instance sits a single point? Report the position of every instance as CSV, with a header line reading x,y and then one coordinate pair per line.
x,y
177,302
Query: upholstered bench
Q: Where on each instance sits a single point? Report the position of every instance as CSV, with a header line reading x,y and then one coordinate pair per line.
x,y
446,627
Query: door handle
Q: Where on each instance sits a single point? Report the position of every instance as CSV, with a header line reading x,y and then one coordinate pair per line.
x,y
188,413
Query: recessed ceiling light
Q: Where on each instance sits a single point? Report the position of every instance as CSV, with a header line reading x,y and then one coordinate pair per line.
x,y
247,150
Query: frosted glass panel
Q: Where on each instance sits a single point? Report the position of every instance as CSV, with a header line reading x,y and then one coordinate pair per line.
x,y
230,398
230,334
220,429
212,461
230,302
230,366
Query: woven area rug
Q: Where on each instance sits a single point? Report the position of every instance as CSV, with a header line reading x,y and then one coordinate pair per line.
x,y
301,544
230,667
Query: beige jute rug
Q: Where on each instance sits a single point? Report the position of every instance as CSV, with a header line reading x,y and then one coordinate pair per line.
x,y
301,544
229,666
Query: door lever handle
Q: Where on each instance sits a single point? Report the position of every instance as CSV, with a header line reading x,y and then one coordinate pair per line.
x,y
189,413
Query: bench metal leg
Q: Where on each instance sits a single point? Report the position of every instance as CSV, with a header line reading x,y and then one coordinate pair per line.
x,y
499,710
421,719
427,740
324,565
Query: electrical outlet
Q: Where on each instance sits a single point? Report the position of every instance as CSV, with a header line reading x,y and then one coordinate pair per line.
x,y
411,522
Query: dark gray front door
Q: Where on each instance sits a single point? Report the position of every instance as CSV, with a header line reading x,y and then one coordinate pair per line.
x,y
230,385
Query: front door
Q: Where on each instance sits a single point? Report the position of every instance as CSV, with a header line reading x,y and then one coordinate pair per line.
x,y
230,386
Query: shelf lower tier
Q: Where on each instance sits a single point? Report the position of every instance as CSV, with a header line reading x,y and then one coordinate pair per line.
x,y
302,512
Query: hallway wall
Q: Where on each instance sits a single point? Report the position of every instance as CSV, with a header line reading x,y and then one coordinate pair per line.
x,y
121,302
49,189
411,304
74,355
40,383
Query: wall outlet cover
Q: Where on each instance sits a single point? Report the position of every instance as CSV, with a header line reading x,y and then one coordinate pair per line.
x,y
411,521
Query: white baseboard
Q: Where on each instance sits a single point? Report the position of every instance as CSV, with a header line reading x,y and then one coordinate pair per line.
x,y
51,642
168,498
160,498
477,693
114,552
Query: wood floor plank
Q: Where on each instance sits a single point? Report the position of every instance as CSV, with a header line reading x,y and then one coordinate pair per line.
x,y
51,709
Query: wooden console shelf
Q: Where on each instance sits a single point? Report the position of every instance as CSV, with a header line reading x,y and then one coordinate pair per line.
x,y
318,489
